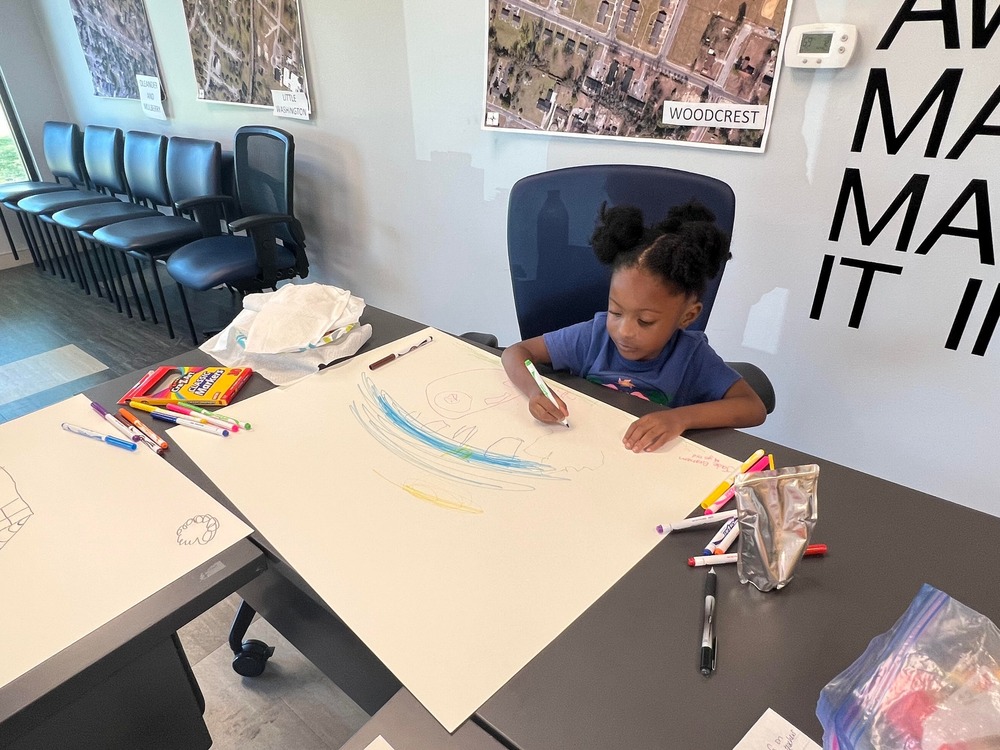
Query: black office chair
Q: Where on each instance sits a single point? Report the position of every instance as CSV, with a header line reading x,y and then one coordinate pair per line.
x,y
145,157
193,171
62,143
273,248
556,278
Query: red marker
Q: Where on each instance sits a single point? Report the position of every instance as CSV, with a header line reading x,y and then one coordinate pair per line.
x,y
731,557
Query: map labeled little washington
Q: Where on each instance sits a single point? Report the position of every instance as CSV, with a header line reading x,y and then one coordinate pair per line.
x,y
696,72
244,49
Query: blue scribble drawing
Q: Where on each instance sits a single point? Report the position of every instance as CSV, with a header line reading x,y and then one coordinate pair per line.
x,y
444,446
14,512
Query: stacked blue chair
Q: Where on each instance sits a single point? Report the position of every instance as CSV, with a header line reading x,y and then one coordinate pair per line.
x,y
103,156
146,175
62,144
193,172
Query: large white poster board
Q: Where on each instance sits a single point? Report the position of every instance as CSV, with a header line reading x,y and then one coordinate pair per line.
x,y
88,530
452,532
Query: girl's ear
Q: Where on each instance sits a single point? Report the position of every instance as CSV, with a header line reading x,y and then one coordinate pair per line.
x,y
693,311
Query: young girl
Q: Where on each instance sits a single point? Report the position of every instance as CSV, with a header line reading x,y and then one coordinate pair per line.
x,y
639,345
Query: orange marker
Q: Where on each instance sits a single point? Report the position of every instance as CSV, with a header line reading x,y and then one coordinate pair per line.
x,y
152,436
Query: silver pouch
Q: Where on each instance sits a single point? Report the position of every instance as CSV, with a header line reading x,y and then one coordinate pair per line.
x,y
777,513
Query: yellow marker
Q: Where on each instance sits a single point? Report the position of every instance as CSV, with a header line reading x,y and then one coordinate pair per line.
x,y
770,461
725,485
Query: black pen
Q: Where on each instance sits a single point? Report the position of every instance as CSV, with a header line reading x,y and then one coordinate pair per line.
x,y
708,641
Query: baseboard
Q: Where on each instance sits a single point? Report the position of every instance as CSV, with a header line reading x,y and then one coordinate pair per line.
x,y
7,259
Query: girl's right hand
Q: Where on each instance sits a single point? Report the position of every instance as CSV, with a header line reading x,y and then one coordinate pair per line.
x,y
545,411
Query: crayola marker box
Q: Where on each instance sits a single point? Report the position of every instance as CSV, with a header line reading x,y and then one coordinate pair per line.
x,y
202,386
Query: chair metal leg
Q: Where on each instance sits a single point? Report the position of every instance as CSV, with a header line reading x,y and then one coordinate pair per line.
x,y
85,256
112,258
145,288
43,247
36,258
54,248
68,250
187,314
154,266
10,238
100,258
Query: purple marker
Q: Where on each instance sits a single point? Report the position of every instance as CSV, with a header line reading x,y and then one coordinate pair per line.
x,y
117,424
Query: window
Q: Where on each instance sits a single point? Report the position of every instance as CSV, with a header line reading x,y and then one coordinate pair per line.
x,y
13,166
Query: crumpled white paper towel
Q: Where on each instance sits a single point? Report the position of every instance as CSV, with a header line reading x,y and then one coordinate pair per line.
x,y
288,334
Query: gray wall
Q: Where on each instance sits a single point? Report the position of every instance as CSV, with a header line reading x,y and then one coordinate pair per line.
x,y
404,201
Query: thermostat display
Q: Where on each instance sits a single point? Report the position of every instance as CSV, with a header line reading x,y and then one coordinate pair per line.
x,y
820,45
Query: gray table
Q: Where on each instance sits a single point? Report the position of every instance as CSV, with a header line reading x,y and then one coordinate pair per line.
x,y
625,674
279,594
406,725
128,683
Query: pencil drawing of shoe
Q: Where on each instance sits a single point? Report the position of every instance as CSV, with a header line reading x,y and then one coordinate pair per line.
x,y
14,512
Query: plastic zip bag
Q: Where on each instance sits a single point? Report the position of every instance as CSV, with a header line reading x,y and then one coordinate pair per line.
x,y
932,682
777,513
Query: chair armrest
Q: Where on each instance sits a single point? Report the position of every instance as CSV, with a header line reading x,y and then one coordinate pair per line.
x,y
260,220
208,210
483,339
190,204
757,380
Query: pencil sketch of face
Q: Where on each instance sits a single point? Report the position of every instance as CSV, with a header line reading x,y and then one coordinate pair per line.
x,y
14,512
198,530
452,396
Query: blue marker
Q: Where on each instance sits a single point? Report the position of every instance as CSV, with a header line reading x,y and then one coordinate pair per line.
x,y
720,536
109,439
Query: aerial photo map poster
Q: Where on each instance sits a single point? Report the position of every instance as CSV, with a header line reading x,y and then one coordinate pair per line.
x,y
691,72
117,44
245,49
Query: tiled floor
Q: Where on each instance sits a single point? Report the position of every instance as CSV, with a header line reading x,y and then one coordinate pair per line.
x,y
292,706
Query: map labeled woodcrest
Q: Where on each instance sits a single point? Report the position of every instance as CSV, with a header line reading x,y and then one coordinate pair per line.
x,y
244,49
696,72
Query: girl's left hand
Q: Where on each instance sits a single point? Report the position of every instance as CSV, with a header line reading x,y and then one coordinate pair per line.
x,y
653,431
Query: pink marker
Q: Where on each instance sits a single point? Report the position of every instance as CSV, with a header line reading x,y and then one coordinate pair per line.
x,y
762,464
203,418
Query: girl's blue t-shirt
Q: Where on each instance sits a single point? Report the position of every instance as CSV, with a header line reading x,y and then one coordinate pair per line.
x,y
687,371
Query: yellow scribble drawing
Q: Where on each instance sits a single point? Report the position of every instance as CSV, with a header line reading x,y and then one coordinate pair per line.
x,y
423,490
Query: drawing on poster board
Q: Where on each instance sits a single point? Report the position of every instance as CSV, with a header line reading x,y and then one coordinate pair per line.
x,y
436,492
200,529
244,49
117,44
14,511
450,441
690,72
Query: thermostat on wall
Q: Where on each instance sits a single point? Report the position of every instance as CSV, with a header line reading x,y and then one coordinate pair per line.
x,y
820,45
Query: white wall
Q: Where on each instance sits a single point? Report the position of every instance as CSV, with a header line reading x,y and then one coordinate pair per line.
x,y
404,202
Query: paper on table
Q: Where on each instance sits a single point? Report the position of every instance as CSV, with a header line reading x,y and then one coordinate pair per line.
x,y
772,731
378,743
88,530
484,531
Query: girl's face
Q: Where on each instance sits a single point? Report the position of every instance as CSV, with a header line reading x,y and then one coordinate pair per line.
x,y
643,313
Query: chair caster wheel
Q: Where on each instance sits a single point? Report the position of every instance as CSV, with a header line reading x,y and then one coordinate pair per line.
x,y
250,660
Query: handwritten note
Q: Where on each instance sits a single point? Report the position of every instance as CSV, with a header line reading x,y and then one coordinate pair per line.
x,y
772,732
